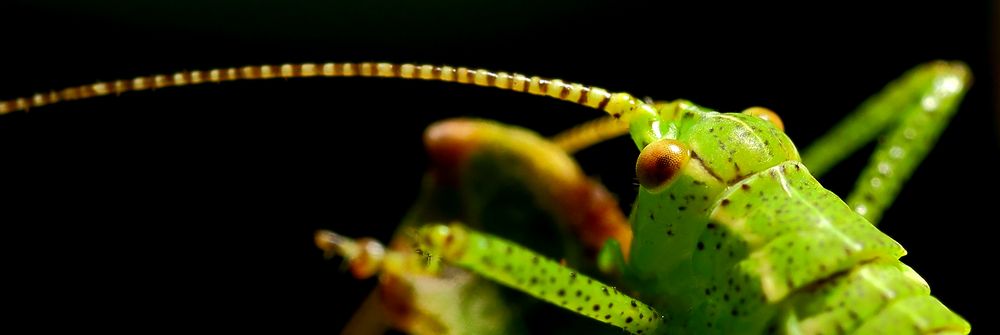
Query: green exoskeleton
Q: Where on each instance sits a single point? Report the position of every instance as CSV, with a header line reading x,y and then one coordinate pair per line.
x,y
730,233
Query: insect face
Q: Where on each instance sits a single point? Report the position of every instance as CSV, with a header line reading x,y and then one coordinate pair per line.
x,y
729,146
719,150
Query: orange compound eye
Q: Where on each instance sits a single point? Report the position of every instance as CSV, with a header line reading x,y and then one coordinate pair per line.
x,y
766,114
660,162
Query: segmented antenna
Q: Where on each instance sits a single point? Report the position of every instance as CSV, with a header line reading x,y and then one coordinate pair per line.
x,y
618,105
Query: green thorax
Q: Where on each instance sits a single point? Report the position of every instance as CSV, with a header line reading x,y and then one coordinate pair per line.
x,y
721,248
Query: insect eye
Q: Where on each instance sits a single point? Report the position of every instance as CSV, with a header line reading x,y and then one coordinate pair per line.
x,y
660,162
766,114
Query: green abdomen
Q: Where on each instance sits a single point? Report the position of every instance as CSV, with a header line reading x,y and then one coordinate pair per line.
x,y
781,254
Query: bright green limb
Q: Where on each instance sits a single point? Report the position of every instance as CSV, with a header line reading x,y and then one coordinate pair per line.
x,y
522,269
911,112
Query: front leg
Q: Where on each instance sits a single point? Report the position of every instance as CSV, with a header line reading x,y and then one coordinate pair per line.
x,y
525,270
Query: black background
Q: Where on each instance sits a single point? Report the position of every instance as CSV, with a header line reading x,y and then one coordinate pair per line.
x,y
194,208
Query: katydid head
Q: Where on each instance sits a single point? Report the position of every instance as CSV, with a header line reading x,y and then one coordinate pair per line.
x,y
723,147
690,157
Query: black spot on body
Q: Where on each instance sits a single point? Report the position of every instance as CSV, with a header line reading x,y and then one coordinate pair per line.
x,y
597,307
701,246
628,320
745,187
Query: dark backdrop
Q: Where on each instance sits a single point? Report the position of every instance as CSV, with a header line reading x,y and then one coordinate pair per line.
x,y
198,204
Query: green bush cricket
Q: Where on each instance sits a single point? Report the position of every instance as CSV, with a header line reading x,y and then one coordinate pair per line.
x,y
716,193
754,59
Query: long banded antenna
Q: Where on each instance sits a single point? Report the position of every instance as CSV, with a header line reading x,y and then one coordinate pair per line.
x,y
618,105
